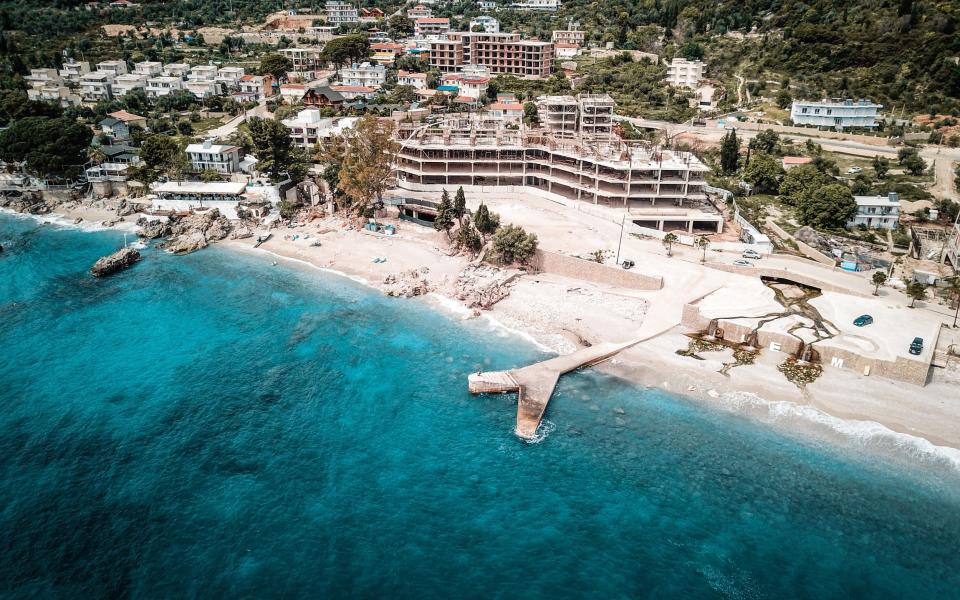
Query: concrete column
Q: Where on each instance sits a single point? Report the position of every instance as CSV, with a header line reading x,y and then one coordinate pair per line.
x,y
660,225
690,226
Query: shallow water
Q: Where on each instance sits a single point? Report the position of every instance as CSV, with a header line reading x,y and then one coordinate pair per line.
x,y
212,425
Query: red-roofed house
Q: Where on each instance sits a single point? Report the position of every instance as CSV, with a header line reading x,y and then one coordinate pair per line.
x,y
253,88
790,162
417,81
512,111
352,92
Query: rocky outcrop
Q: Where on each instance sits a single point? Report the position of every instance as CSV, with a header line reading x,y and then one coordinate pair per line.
x,y
32,203
407,283
117,261
480,287
152,229
196,231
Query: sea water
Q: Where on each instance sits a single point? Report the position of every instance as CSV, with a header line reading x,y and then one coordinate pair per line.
x,y
216,426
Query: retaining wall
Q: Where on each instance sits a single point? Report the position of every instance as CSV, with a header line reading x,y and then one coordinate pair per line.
x,y
805,249
587,270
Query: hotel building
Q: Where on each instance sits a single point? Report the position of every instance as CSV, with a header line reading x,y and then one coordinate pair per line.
x,y
836,113
499,52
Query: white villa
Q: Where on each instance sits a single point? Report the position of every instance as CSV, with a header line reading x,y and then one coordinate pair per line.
x,y
214,157
837,113
685,73
877,212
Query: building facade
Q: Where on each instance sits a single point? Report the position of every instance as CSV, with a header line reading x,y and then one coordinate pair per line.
x,y
162,86
364,75
339,13
96,86
308,128
836,113
685,73
214,157
431,26
592,164
306,61
500,53
485,24
126,83
877,212
568,36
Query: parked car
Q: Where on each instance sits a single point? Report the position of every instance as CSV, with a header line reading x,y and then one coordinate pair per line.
x,y
752,254
743,263
863,320
627,264
854,170
916,346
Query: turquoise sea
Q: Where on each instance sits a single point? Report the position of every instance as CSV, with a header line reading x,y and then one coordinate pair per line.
x,y
212,426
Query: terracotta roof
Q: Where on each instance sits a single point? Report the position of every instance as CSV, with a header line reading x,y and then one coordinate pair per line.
x,y
505,106
436,20
122,115
797,160
352,88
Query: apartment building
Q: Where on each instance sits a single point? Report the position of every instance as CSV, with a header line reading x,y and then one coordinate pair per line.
x,y
306,61
685,73
505,111
469,86
229,76
592,165
364,75
568,36
148,69
837,113
308,128
113,67
202,73
253,88
431,27
498,52
339,13
485,23
96,86
163,85
54,92
41,77
417,81
122,84
877,212
180,70
214,157
419,12
73,70
202,88
559,114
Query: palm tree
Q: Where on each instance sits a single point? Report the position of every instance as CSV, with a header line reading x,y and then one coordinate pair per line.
x,y
96,154
668,241
702,242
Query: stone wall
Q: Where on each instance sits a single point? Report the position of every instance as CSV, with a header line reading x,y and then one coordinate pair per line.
x,y
587,270
805,249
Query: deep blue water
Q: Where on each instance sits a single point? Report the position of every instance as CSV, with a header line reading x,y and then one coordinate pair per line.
x,y
214,426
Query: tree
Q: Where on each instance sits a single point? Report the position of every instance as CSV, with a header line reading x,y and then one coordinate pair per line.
x,y
444,219
914,164
916,290
878,279
159,155
829,207
345,50
468,238
459,205
799,182
276,155
277,65
364,154
880,166
702,242
767,141
729,152
530,114
486,221
784,99
692,51
512,244
210,175
668,241
400,26
764,173
48,147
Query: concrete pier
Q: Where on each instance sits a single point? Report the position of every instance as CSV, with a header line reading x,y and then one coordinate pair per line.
x,y
534,384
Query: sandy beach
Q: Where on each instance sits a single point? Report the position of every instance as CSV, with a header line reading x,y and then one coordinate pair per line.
x,y
561,314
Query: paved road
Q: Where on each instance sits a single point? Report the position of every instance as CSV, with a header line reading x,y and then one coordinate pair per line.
x,y
227,129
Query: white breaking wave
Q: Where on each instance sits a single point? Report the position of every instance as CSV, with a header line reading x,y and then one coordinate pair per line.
x,y
543,431
67,223
867,434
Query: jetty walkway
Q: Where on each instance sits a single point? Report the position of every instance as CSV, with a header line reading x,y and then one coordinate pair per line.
x,y
534,384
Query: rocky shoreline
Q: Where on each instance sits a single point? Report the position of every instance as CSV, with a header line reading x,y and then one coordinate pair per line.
x,y
118,261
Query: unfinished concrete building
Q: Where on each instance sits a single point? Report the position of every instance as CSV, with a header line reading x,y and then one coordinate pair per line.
x,y
663,189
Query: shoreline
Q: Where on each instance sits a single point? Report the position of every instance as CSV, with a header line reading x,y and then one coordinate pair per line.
x,y
752,391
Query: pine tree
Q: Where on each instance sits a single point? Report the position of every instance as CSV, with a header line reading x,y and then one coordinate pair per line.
x,y
729,152
459,205
486,221
444,220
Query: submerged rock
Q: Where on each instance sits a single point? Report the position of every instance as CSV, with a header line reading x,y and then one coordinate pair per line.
x,y
117,261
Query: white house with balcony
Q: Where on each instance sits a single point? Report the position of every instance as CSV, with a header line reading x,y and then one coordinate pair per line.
x,y
125,83
163,86
229,77
41,77
341,12
364,75
203,73
417,81
202,88
114,67
214,157
96,86
73,70
685,73
176,70
877,212
836,113
308,127
148,68
486,23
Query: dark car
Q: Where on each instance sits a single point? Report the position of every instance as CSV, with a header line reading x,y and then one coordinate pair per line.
x,y
628,264
863,320
916,346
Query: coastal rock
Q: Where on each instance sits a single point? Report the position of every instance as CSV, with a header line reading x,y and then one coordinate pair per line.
x,y
480,287
152,229
197,231
407,283
117,261
29,203
125,209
